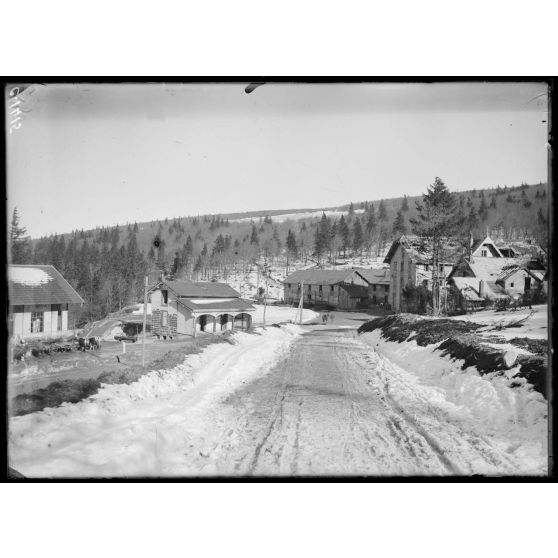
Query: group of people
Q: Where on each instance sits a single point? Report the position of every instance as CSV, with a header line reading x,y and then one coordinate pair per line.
x,y
327,317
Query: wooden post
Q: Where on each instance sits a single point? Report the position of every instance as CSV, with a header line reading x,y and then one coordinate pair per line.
x,y
144,323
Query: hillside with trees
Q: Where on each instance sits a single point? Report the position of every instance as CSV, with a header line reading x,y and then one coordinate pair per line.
x,y
106,265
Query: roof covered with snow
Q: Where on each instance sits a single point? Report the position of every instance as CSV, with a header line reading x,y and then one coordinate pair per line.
x,y
39,284
200,289
419,251
322,276
492,268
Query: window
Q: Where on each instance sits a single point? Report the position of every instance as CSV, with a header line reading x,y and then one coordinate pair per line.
x,y
426,267
165,296
511,284
37,322
320,288
484,253
332,288
309,288
59,321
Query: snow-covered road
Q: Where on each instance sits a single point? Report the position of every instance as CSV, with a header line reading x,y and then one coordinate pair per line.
x,y
277,403
336,407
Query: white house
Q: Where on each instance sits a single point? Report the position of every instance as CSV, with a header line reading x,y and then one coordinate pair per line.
x,y
40,302
187,307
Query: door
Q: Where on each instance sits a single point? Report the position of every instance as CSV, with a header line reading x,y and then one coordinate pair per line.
x,y
527,283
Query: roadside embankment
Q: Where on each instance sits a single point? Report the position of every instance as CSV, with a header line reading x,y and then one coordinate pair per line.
x,y
521,360
74,390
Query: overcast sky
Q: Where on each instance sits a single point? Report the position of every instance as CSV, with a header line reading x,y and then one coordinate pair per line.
x,y
89,155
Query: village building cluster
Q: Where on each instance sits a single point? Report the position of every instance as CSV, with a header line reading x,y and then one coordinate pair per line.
x,y
42,304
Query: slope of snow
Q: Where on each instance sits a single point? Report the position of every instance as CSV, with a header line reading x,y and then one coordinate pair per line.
x,y
142,428
518,416
295,216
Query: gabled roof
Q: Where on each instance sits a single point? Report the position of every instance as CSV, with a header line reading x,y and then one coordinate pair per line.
x,y
39,284
420,252
354,291
322,276
507,273
486,240
376,276
201,289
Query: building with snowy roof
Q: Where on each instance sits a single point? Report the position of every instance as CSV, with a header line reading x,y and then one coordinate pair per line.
x,y
479,280
188,307
42,304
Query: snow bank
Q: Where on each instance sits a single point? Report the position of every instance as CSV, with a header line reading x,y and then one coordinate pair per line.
x,y
517,417
142,428
276,314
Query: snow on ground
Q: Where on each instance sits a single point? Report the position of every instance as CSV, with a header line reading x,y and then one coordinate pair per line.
x,y
144,428
535,327
276,314
28,275
516,417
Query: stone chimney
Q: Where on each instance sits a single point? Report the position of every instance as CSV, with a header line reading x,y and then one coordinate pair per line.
x,y
482,289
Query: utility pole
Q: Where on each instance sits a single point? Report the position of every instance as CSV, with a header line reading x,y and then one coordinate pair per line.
x,y
265,292
144,323
301,303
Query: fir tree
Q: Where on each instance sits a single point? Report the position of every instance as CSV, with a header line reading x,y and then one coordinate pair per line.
x,y
344,233
382,213
405,204
292,248
399,225
254,236
436,223
20,248
357,236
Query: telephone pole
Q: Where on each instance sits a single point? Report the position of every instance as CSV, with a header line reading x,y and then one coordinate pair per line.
x,y
144,323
